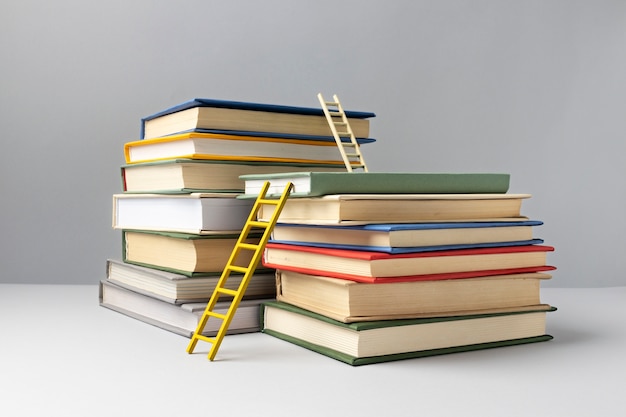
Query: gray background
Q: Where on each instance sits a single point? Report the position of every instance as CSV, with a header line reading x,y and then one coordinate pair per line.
x,y
533,88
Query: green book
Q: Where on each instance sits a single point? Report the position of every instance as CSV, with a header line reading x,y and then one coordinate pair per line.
x,y
371,342
312,183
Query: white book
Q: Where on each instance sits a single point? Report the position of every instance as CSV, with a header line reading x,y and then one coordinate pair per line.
x,y
199,213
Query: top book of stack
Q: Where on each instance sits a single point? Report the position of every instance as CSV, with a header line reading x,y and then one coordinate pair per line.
x,y
225,116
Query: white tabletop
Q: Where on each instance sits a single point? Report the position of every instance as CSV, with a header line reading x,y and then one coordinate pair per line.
x,y
62,354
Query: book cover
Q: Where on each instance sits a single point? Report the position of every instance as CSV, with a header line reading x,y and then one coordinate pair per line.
x,y
196,213
243,105
246,106
352,209
369,266
311,183
408,237
410,249
183,176
179,319
176,288
188,254
234,147
389,340
349,301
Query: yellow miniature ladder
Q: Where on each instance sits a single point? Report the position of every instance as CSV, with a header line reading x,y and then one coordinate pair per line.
x,y
231,266
340,127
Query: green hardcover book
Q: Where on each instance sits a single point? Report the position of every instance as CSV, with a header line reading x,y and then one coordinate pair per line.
x,y
389,340
312,184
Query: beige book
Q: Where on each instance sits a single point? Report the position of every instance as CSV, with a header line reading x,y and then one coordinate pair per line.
x,y
349,301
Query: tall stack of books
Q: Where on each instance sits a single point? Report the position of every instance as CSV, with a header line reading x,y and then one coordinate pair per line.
x,y
375,267
178,210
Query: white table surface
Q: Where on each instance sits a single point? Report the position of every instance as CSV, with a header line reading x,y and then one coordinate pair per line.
x,y
64,355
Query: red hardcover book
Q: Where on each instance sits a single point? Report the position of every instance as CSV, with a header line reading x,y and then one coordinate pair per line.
x,y
365,266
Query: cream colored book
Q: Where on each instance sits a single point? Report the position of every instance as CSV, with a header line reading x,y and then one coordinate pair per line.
x,y
349,301
214,114
388,340
398,208
369,266
397,237
230,147
201,175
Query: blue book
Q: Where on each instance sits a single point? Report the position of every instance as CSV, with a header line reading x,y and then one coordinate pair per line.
x,y
409,237
212,115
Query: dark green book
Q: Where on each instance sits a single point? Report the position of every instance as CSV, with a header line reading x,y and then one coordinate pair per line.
x,y
389,340
312,183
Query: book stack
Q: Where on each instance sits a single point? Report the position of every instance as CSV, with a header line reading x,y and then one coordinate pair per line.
x,y
375,267
179,213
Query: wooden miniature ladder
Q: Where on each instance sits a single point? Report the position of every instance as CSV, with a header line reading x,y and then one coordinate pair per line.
x,y
231,266
340,127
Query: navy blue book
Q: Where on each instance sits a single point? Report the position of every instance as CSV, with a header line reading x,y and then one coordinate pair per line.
x,y
217,116
409,237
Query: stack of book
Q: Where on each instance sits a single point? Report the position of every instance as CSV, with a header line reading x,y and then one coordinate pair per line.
x,y
179,213
375,267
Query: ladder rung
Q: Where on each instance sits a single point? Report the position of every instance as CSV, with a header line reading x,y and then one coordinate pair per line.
x,y
331,103
249,246
348,145
235,268
258,223
227,291
268,201
216,315
206,339
345,134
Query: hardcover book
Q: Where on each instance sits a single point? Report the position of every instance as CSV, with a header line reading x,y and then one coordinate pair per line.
x,y
201,175
233,147
398,208
313,184
213,114
350,301
176,288
388,340
183,253
199,213
368,266
408,237
180,319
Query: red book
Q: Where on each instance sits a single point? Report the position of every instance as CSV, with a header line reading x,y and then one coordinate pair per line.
x,y
365,266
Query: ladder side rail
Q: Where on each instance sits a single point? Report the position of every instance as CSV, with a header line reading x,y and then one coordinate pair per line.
x,y
333,130
353,141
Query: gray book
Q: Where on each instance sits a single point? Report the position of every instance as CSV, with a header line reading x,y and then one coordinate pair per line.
x,y
180,319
